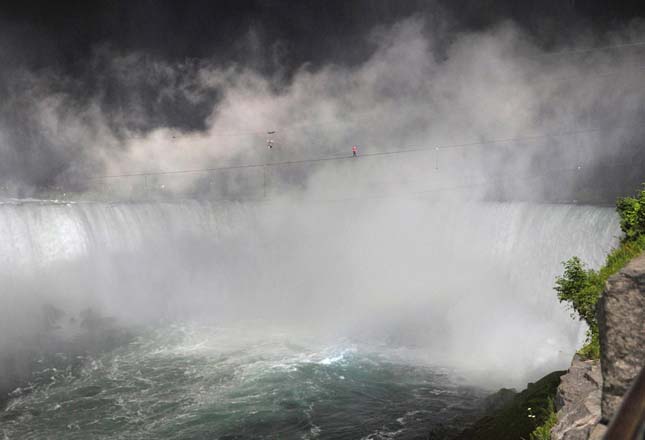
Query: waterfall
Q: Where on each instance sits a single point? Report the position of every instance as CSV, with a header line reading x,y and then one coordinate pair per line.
x,y
451,278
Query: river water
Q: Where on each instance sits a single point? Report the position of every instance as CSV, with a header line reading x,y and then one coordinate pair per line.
x,y
196,382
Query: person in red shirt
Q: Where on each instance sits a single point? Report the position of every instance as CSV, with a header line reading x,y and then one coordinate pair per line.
x,y
354,151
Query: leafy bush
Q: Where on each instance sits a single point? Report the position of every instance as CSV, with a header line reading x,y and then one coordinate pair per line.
x,y
632,215
581,287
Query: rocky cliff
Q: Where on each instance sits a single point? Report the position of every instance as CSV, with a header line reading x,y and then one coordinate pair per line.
x,y
578,401
621,320
585,401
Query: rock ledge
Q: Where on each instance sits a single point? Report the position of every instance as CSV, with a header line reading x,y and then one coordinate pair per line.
x,y
621,322
578,401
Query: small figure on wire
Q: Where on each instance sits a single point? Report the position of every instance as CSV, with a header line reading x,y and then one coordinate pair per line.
x,y
354,151
270,139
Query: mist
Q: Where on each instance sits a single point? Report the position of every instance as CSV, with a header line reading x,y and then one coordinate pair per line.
x,y
570,110
425,240
413,274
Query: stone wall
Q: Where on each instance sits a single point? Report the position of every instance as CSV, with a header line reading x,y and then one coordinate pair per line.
x,y
621,321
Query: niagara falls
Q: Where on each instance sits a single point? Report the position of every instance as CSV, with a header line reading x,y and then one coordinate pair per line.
x,y
318,220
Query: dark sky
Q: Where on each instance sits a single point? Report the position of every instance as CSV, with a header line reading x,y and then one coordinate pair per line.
x,y
63,34
58,41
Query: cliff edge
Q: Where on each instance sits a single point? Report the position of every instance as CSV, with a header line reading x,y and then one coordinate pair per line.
x,y
621,321
578,401
585,401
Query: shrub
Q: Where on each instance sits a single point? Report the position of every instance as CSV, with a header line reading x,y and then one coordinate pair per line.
x,y
578,287
632,215
581,287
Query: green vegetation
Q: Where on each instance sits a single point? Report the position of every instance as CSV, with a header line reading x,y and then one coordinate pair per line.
x,y
632,215
543,432
522,416
531,413
581,287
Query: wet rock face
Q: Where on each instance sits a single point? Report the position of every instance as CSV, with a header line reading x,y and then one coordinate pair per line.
x,y
578,401
621,320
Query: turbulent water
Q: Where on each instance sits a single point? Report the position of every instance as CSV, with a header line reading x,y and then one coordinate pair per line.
x,y
195,383
340,320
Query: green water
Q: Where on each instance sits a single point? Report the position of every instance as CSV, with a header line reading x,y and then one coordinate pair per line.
x,y
191,382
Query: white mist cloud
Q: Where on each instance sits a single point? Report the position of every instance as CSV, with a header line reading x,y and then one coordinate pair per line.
x,y
491,85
